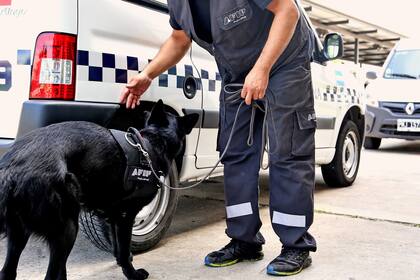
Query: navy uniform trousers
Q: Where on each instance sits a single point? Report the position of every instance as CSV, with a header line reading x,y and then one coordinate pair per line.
x,y
291,127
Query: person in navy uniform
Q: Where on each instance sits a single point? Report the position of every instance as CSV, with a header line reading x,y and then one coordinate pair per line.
x,y
267,46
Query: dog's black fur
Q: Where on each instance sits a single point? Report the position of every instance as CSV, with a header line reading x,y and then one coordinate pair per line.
x,y
51,173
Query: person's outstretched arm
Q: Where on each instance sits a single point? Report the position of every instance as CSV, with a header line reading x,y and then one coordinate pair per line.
x,y
286,16
170,53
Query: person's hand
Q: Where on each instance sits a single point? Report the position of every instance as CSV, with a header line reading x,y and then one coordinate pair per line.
x,y
134,90
255,85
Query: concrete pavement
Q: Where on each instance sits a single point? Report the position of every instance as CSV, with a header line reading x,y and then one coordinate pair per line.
x,y
368,231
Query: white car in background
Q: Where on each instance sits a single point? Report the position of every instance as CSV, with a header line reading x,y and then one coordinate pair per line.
x,y
393,97
68,60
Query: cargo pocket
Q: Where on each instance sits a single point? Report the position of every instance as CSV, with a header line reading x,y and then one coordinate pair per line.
x,y
303,140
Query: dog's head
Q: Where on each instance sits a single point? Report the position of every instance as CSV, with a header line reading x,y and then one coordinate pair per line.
x,y
164,126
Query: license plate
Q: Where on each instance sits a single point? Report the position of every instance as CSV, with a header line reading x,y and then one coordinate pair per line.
x,y
408,125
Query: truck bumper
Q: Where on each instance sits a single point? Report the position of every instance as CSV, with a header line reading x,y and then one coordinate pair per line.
x,y
382,123
40,113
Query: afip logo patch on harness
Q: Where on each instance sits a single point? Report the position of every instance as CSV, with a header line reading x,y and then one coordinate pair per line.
x,y
140,173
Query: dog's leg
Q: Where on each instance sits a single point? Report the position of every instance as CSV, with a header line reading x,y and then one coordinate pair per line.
x,y
60,248
124,227
115,244
17,237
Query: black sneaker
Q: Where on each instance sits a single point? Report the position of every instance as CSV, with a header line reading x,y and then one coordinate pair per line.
x,y
236,251
290,262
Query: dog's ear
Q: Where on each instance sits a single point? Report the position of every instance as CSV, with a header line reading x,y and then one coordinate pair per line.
x,y
188,122
158,115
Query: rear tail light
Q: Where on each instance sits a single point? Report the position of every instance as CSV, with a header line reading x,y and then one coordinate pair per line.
x,y
53,71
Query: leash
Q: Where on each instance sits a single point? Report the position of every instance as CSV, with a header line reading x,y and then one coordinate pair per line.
x,y
234,97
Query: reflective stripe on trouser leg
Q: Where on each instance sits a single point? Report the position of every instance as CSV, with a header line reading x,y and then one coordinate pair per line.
x,y
241,171
292,156
289,220
239,210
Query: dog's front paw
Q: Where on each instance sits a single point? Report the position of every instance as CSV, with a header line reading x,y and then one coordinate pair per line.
x,y
139,274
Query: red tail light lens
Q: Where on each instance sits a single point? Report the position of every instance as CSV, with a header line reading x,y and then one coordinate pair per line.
x,y
54,67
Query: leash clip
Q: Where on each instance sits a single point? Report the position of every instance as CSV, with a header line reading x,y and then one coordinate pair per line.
x,y
129,135
144,152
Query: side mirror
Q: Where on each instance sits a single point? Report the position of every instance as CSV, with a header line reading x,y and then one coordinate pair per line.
x,y
333,46
371,75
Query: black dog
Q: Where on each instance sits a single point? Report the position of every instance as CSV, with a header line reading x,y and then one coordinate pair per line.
x,y
51,173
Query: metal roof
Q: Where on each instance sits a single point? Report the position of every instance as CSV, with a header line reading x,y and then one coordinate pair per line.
x,y
364,42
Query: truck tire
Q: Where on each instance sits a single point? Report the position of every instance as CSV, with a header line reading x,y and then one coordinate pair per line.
x,y
150,226
372,143
343,169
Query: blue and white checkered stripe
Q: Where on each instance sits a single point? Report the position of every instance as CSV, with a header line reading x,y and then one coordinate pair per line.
x,y
112,68
338,94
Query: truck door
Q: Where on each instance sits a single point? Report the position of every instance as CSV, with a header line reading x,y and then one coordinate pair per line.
x,y
206,154
326,94
112,51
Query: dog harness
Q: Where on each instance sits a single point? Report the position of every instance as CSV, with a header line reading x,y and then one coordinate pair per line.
x,y
138,174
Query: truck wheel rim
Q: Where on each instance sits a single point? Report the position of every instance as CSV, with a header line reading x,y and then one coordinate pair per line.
x,y
350,154
152,214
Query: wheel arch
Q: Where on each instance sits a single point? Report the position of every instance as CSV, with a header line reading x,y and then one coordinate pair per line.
x,y
354,114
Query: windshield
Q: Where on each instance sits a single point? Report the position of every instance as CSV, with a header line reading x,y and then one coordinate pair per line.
x,y
404,65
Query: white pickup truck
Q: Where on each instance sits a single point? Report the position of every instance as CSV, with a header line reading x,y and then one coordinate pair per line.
x,y
392,98
68,60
